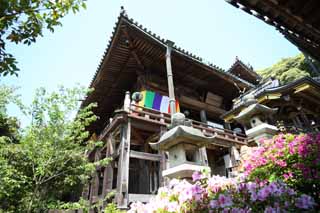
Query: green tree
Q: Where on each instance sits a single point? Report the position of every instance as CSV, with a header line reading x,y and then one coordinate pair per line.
x,y
22,21
289,69
49,165
9,125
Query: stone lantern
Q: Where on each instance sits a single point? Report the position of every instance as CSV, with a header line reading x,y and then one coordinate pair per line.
x,y
183,143
254,117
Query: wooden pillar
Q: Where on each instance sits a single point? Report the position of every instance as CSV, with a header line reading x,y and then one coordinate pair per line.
x,y
299,121
305,120
227,125
94,187
294,121
107,175
203,116
95,181
203,155
172,101
123,166
127,102
85,192
163,161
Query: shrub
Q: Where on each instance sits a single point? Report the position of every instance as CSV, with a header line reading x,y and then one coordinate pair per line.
x,y
220,194
294,159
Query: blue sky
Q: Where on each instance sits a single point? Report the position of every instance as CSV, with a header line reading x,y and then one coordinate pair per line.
x,y
211,29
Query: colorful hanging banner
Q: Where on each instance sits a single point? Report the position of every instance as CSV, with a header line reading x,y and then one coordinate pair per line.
x,y
164,104
141,103
149,99
156,101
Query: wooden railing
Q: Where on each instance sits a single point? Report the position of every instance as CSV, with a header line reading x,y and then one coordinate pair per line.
x,y
161,118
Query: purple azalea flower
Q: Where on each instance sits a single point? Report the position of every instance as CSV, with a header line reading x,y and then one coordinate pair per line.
x,y
305,202
224,200
269,209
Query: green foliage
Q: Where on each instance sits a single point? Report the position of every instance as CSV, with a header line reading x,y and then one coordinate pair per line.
x,y
86,206
112,208
49,165
8,125
23,21
288,69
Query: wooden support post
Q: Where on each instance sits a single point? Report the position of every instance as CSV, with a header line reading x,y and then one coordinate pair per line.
x,y
305,120
163,160
163,166
108,174
122,198
203,155
172,101
299,121
94,187
127,102
107,179
203,116
227,125
85,192
95,181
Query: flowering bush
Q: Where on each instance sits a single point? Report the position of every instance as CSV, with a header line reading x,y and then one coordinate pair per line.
x,y
220,194
294,159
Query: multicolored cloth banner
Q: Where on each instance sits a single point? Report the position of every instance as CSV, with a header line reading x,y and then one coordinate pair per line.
x,y
156,101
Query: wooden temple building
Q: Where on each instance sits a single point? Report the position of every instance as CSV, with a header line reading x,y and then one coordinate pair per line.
x,y
141,75
297,104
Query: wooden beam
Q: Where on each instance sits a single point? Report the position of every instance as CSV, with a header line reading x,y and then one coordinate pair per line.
x,y
301,88
145,156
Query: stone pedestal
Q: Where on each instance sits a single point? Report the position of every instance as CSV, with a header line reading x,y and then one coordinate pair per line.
x,y
184,170
262,131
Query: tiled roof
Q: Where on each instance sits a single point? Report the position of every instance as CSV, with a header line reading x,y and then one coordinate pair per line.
x,y
247,68
124,17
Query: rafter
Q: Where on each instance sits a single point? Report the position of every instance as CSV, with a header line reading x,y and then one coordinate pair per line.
x,y
133,49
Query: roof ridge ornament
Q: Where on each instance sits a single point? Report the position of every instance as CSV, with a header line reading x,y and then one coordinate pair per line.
x,y
123,12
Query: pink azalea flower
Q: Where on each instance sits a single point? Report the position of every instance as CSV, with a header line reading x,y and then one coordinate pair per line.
x,y
196,176
173,207
287,175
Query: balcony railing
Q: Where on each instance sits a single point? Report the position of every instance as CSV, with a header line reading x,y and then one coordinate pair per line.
x,y
164,119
